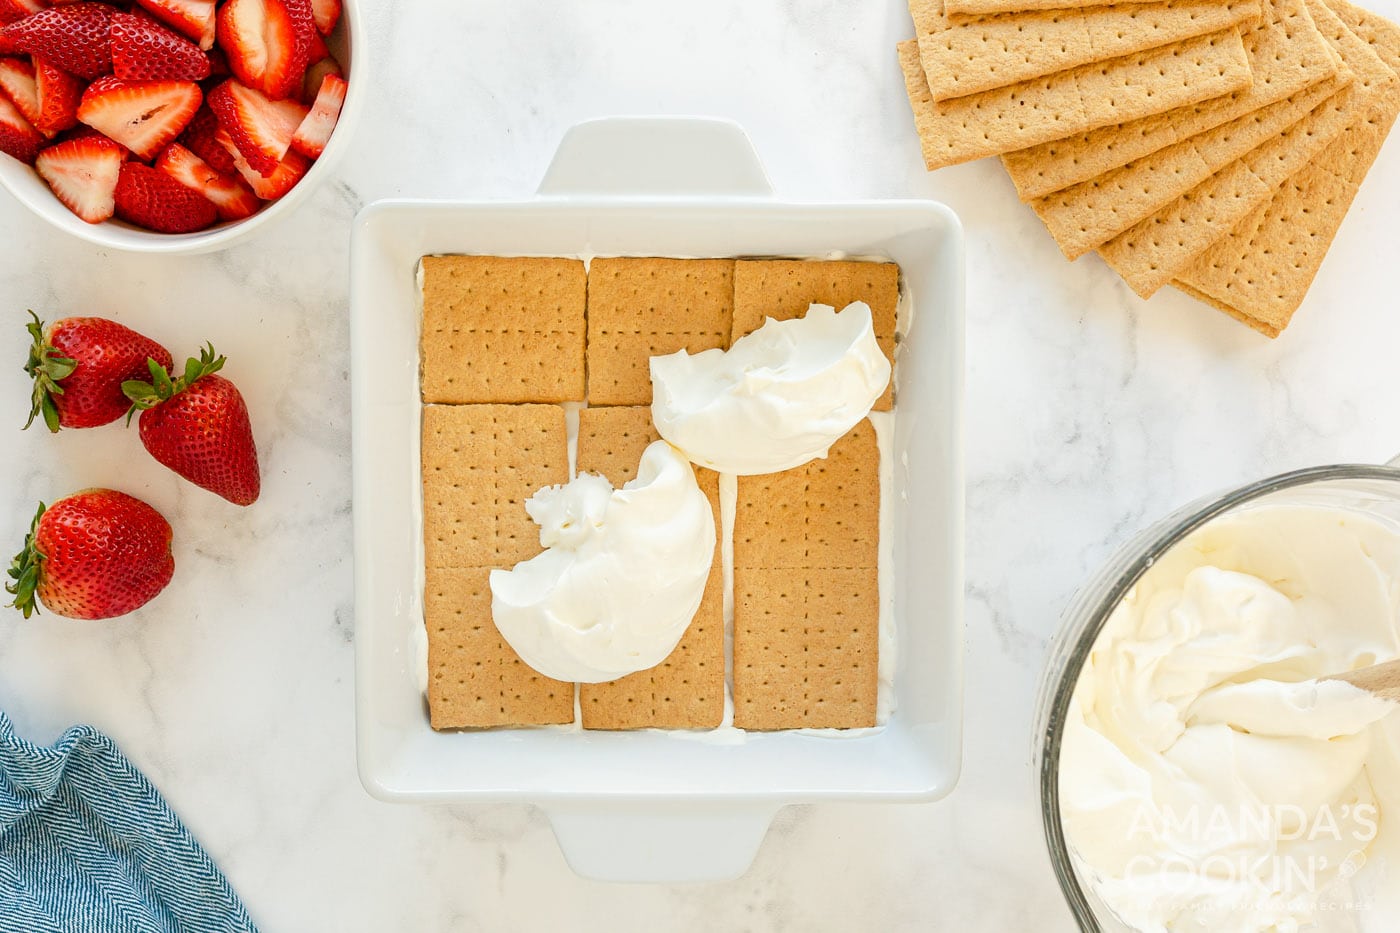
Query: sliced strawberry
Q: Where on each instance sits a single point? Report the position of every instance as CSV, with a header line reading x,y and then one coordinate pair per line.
x,y
270,187
304,22
83,175
154,200
14,10
144,116
260,40
261,128
193,19
18,137
17,81
145,51
327,14
318,49
59,94
198,137
316,76
234,199
315,131
75,37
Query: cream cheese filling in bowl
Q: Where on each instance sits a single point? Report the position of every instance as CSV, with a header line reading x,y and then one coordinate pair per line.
x,y
1193,776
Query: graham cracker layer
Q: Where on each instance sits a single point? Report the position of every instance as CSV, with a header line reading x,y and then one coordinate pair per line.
x,y
685,691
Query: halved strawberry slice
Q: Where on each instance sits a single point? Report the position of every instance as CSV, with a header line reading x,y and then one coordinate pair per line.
x,y
260,40
59,93
18,137
144,116
145,51
234,199
261,128
83,175
315,131
327,14
154,200
193,19
316,76
17,81
318,48
75,37
198,137
304,22
268,187
13,10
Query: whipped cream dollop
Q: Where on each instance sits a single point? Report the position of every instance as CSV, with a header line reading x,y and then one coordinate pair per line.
x,y
621,576
777,398
1208,781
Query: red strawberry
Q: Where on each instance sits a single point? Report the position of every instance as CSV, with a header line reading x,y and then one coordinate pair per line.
x,y
17,81
143,116
304,24
191,18
78,366
327,14
18,137
315,131
261,128
154,200
198,137
96,554
59,94
318,48
83,175
234,199
14,10
144,51
75,37
316,76
268,187
260,40
198,426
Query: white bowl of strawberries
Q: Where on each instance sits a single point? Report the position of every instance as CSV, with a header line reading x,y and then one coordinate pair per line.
x,y
172,126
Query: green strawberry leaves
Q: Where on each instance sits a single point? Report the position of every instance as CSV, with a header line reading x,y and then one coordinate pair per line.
x,y
147,395
27,570
47,367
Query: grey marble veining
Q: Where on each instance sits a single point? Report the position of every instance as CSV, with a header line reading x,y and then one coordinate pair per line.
x,y
1089,414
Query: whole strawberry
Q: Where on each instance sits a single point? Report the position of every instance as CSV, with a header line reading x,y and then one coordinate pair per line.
x,y
198,426
97,554
78,366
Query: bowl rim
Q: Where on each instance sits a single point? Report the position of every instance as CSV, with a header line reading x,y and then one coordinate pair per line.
x,y
1133,558
114,235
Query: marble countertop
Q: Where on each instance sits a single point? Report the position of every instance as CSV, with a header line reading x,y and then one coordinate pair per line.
x,y
1089,414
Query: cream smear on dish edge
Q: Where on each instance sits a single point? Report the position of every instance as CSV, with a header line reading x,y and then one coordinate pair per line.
x,y
726,733
1207,782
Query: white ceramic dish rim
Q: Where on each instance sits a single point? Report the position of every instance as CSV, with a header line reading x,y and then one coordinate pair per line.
x,y
26,187
616,162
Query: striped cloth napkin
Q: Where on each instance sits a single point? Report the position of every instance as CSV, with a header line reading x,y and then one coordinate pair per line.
x,y
87,845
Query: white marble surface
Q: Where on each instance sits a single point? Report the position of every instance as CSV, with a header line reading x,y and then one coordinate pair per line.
x,y
1089,413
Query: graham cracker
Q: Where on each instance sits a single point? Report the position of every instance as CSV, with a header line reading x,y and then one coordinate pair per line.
x,y
1152,252
1073,101
640,308
1261,271
480,463
685,691
783,289
1287,55
982,7
502,330
970,54
806,592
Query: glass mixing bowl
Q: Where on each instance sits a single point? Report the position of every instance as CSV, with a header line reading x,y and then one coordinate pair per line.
x,y
1370,489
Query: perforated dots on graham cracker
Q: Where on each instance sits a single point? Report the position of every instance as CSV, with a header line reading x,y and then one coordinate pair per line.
x,y
502,330
806,592
686,691
784,289
639,308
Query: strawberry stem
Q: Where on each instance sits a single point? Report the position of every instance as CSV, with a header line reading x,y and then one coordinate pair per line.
x,y
147,395
27,570
47,367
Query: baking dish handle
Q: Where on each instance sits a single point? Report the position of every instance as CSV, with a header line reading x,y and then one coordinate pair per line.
x,y
656,157
660,843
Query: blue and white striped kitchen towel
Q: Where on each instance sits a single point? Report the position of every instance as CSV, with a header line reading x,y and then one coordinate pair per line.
x,y
87,845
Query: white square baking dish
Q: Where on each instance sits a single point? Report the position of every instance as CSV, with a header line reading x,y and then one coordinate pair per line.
x,y
654,806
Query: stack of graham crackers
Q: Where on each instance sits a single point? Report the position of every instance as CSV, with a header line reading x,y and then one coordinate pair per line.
x,y
1212,146
506,342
